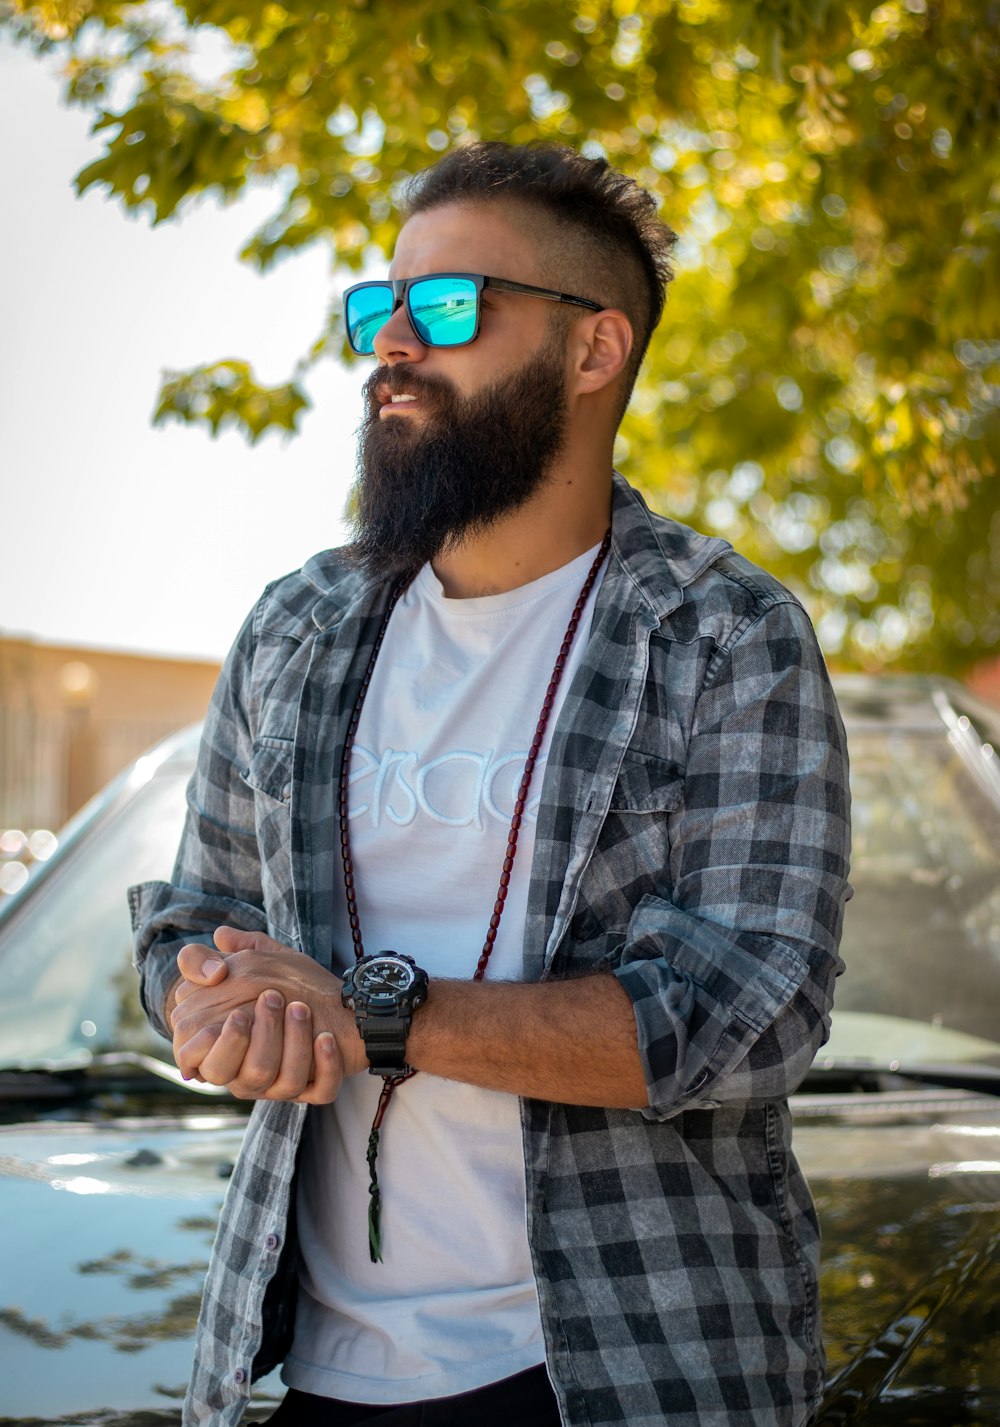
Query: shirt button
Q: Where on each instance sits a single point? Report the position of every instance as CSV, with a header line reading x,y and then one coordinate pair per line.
x,y
272,1241
240,1376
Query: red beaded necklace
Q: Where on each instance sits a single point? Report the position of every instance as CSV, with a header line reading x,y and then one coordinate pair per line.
x,y
354,920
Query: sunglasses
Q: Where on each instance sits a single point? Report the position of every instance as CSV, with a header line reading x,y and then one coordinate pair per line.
x,y
444,308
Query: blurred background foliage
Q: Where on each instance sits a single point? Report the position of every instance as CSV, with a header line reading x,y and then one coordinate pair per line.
x,y
825,387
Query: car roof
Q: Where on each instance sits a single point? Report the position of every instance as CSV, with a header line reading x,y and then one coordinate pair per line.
x,y
914,702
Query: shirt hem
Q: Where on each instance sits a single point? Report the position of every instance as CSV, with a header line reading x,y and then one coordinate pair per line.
x,y
378,1392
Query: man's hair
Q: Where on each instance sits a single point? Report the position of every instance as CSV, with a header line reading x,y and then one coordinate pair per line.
x,y
599,234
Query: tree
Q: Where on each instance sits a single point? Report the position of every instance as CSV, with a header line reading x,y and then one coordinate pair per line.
x,y
825,387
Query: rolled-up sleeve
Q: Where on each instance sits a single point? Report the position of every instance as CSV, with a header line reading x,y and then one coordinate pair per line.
x,y
731,978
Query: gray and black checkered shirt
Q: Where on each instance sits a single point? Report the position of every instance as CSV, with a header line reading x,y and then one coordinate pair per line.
x,y
693,839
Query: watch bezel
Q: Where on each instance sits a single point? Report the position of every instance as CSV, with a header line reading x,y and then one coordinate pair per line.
x,y
367,967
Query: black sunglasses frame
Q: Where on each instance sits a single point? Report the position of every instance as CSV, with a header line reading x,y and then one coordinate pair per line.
x,y
400,288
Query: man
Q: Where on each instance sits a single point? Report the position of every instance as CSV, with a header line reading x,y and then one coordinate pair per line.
x,y
584,1207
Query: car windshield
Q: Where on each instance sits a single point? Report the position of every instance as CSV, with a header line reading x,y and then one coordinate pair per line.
x,y
67,986
921,939
922,933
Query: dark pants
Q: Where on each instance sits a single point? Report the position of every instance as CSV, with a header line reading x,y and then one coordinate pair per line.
x,y
526,1400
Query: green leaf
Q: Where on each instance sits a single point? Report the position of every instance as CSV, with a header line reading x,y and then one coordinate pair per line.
x,y
226,394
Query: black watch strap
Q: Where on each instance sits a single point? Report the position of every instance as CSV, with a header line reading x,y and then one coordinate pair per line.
x,y
385,1043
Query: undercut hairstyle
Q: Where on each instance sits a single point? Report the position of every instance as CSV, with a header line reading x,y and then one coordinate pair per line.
x,y
598,232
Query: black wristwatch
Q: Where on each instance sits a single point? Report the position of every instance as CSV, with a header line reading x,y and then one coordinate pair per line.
x,y
383,991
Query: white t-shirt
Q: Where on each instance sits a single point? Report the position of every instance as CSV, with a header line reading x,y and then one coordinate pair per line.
x,y
437,762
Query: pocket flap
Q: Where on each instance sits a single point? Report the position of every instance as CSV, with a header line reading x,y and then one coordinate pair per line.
x,y
270,769
647,784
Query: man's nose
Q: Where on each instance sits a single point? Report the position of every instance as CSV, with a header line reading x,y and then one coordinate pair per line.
x,y
396,340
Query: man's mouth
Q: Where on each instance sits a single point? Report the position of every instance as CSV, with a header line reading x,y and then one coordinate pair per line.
x,y
397,402
397,393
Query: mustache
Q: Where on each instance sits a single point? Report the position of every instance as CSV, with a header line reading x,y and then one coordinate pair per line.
x,y
404,378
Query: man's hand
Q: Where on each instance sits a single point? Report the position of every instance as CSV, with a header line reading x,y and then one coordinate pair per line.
x,y
264,1021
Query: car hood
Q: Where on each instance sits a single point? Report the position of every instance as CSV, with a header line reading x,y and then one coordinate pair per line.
x,y
104,1246
907,1187
109,1225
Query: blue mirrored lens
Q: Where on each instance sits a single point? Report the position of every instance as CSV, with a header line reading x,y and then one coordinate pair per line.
x,y
366,313
443,311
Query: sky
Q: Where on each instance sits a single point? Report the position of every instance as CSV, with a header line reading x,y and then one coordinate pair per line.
x,y
114,534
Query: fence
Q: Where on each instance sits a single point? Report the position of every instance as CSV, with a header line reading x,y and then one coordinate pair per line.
x,y
51,763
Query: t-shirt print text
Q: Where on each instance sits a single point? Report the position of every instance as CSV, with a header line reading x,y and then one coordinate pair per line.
x,y
461,788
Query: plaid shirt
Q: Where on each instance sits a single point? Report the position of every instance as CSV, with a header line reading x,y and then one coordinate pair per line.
x,y
692,840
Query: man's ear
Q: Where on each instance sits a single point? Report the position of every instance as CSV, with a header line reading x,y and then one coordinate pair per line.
x,y
599,349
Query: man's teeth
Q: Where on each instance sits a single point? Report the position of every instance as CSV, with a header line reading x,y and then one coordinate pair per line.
x,y
402,398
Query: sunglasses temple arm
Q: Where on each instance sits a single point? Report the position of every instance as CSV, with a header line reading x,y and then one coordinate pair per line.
x,y
506,285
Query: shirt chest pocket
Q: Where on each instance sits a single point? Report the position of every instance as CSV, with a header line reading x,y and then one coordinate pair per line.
x,y
632,856
269,776
635,839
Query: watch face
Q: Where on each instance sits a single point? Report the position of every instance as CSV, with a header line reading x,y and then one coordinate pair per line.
x,y
384,976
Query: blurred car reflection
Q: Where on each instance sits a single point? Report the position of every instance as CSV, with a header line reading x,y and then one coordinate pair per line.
x,y
112,1169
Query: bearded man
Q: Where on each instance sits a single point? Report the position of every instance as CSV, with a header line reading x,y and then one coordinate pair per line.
x,y
520,837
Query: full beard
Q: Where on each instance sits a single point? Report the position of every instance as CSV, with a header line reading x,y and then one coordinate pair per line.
x,y
424,485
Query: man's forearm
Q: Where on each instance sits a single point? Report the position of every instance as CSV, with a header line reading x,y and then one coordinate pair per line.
x,y
573,1042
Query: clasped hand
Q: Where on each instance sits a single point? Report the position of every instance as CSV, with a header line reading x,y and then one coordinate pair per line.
x,y
262,1020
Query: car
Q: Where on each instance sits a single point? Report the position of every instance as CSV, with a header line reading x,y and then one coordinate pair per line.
x,y
112,1168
